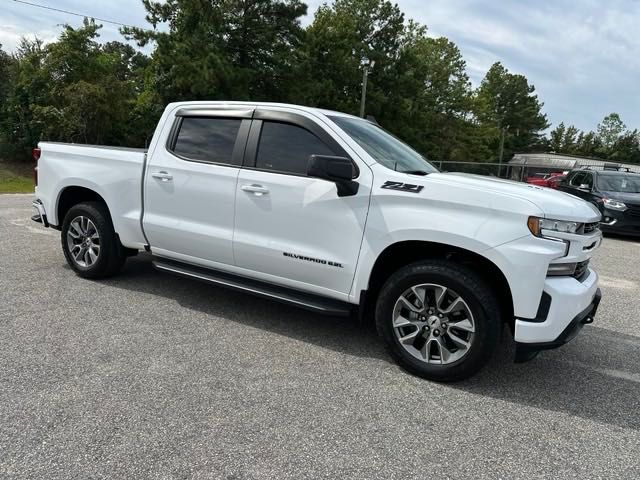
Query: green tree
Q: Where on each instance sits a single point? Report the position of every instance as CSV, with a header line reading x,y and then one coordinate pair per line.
x,y
6,74
508,103
343,36
74,89
418,88
565,139
610,130
626,148
430,101
7,68
222,49
570,140
588,145
21,128
556,138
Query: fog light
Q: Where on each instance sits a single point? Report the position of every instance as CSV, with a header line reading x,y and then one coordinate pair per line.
x,y
561,269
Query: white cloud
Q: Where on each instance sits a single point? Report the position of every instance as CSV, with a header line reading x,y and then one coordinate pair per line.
x,y
18,20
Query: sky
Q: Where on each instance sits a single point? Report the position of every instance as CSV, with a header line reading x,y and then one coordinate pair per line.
x,y
583,56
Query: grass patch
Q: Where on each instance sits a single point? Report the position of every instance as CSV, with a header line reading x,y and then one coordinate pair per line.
x,y
16,178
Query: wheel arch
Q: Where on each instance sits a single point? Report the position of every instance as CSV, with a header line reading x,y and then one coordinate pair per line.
x,y
403,253
72,195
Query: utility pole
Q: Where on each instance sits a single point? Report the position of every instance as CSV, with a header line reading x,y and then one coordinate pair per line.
x,y
501,151
366,66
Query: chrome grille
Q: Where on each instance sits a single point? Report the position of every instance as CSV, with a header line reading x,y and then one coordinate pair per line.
x,y
590,227
582,270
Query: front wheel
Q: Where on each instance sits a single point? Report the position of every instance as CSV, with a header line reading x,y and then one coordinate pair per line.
x,y
439,320
89,242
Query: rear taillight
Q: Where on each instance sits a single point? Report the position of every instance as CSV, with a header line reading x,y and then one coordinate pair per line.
x,y
35,154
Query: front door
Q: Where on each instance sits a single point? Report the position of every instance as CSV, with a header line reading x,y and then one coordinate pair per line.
x,y
290,228
579,184
190,187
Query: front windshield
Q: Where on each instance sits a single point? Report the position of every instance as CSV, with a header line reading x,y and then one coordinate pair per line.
x,y
384,147
620,182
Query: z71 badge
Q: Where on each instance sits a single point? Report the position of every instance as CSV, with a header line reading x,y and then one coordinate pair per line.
x,y
403,187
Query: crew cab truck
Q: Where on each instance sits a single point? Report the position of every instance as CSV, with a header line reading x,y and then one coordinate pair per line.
x,y
330,212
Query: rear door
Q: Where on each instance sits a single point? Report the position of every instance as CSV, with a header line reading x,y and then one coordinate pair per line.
x,y
190,186
290,228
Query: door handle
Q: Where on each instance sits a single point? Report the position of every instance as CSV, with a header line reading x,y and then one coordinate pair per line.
x,y
255,189
164,176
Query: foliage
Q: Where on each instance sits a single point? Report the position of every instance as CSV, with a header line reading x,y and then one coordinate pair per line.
x,y
418,87
222,49
611,141
610,130
342,37
78,89
507,102
74,90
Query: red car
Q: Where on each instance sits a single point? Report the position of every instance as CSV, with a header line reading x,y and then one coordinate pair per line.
x,y
549,180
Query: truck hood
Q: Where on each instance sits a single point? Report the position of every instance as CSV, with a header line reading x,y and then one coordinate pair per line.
x,y
555,204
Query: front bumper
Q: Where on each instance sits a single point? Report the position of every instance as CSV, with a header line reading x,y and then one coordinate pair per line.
x,y
562,300
40,215
625,223
527,351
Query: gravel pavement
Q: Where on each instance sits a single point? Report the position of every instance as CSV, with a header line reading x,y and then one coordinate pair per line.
x,y
147,375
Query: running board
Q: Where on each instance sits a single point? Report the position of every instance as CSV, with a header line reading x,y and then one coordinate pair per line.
x,y
315,303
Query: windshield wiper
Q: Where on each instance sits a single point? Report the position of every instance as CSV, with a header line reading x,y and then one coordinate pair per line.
x,y
415,172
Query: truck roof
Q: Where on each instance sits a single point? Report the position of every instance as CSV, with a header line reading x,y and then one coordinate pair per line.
x,y
223,103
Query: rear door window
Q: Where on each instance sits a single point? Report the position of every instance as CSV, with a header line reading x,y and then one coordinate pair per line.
x,y
208,140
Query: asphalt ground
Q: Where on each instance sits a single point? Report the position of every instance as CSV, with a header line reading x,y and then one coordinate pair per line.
x,y
147,375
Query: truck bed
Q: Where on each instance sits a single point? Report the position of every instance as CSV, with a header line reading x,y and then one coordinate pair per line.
x,y
115,173
103,147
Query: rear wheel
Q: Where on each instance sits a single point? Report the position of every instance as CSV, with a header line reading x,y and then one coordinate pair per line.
x,y
90,245
439,320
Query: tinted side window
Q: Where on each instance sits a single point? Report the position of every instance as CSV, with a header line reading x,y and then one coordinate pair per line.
x,y
287,148
207,139
588,179
576,179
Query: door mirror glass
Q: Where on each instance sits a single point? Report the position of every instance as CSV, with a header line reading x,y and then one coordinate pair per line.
x,y
335,169
584,187
330,168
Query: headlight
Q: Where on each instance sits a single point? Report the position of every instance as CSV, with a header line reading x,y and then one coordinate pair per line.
x,y
614,204
536,225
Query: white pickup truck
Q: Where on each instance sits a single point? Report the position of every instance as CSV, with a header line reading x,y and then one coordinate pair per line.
x,y
331,213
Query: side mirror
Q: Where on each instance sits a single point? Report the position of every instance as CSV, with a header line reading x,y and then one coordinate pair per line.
x,y
584,187
334,169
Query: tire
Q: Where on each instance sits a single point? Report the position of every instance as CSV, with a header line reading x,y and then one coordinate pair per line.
x,y
84,221
432,352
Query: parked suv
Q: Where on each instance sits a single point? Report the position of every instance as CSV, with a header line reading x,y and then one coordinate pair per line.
x,y
616,193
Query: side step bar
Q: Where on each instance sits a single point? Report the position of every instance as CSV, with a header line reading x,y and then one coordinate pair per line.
x,y
315,303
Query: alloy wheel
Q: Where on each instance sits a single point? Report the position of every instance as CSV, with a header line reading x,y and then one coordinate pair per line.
x,y
433,323
83,241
